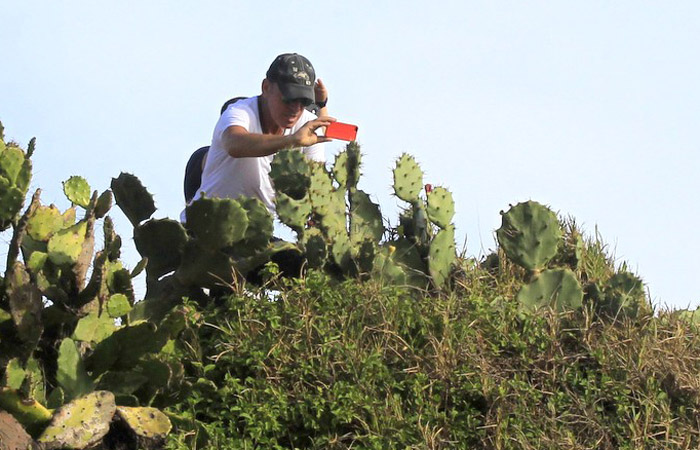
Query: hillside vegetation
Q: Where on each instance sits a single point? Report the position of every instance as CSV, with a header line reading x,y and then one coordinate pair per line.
x,y
361,334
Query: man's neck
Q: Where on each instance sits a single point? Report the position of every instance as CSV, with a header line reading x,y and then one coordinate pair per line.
x,y
266,123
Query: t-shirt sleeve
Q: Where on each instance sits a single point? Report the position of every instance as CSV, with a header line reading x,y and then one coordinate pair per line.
x,y
239,116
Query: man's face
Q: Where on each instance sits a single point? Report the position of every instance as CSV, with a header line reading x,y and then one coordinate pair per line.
x,y
284,114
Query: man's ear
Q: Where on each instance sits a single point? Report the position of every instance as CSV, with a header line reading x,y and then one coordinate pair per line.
x,y
265,86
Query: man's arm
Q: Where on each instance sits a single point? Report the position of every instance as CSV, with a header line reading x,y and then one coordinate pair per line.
x,y
239,143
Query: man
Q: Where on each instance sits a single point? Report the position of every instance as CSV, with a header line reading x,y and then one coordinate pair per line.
x,y
250,131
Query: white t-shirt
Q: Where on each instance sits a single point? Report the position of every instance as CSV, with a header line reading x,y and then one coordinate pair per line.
x,y
227,177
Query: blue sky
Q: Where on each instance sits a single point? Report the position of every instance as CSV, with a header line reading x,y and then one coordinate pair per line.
x,y
589,107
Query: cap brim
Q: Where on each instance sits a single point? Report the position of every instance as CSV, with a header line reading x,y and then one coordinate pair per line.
x,y
293,91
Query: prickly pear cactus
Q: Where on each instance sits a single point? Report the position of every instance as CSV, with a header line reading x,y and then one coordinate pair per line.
x,y
408,179
148,424
290,173
292,212
70,374
623,296
315,248
346,168
162,242
260,226
529,234
28,411
133,199
440,207
365,218
442,255
77,190
557,288
15,175
81,423
217,223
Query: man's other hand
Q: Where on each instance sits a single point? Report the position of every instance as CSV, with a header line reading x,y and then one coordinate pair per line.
x,y
306,135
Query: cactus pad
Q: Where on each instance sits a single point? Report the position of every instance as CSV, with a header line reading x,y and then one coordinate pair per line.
x,y
81,423
217,222
104,204
77,190
408,179
123,349
529,234
118,305
133,199
623,296
365,218
293,213
145,422
315,247
260,224
440,207
442,256
341,249
346,167
162,242
290,173
14,374
70,373
387,268
11,161
45,221
65,246
325,199
11,200
557,288
94,328
25,303
202,267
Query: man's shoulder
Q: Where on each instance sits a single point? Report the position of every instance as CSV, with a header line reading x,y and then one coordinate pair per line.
x,y
249,104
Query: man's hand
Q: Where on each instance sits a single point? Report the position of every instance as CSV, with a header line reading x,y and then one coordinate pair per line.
x,y
320,91
306,135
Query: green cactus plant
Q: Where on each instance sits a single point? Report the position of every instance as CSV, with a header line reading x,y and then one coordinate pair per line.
x,y
365,218
77,189
28,411
408,179
622,296
149,425
346,168
14,374
293,212
442,255
290,173
260,227
315,248
162,241
529,234
81,423
11,201
440,207
71,375
15,176
556,288
133,199
423,251
216,223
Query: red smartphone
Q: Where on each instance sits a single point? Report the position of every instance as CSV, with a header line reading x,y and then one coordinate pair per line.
x,y
342,131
